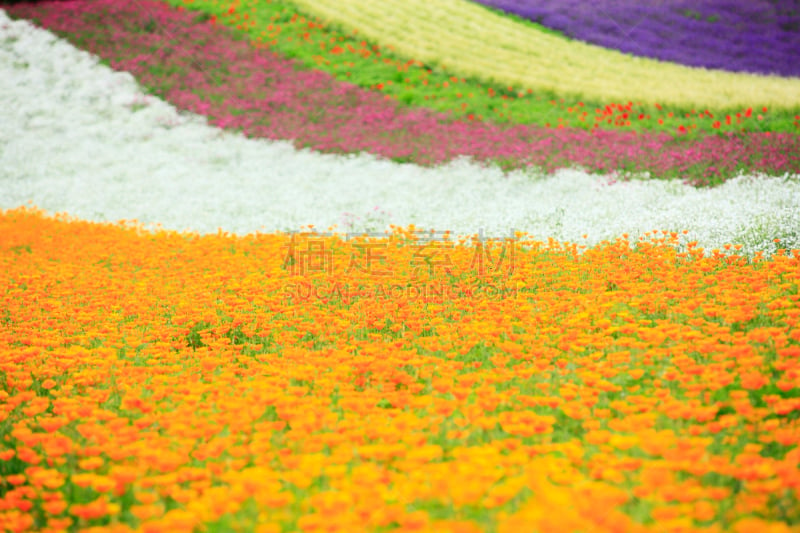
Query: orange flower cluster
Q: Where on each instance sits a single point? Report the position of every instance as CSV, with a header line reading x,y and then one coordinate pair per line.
x,y
157,381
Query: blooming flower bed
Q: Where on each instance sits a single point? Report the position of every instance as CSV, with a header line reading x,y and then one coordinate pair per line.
x,y
279,25
203,69
375,65
175,382
761,37
149,162
582,374
446,32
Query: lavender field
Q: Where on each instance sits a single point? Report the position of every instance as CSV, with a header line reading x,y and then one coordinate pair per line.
x,y
758,36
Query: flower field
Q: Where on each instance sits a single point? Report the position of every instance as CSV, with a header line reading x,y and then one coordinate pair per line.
x,y
740,36
273,267
510,53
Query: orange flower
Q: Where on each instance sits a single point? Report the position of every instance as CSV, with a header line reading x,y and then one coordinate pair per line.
x,y
210,389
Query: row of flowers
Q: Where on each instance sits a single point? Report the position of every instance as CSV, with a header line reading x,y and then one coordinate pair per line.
x,y
511,53
350,57
159,381
174,382
115,153
760,37
204,69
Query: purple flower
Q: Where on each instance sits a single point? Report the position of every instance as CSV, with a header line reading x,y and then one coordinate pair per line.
x,y
765,35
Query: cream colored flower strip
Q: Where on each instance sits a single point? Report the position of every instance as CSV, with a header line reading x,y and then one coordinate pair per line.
x,y
445,32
